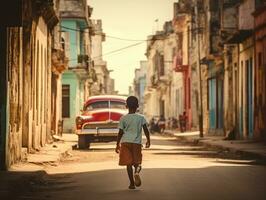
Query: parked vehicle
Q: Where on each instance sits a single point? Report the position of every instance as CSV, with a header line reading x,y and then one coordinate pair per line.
x,y
99,119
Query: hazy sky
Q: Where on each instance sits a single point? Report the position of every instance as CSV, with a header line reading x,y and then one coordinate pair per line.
x,y
129,19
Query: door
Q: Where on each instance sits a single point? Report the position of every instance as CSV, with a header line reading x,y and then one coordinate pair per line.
x,y
212,103
241,87
219,103
249,96
65,101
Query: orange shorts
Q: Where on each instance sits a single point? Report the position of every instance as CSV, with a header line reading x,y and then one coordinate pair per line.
x,y
130,154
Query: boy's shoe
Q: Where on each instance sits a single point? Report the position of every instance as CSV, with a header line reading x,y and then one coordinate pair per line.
x,y
137,179
131,187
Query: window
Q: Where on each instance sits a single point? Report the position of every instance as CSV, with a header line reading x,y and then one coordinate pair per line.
x,y
65,101
161,64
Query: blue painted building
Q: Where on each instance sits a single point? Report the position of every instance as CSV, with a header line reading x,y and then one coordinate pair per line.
x,y
76,31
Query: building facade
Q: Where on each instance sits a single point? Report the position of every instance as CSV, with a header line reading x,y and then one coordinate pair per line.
x,y
76,81
26,116
260,72
182,63
164,89
217,70
104,83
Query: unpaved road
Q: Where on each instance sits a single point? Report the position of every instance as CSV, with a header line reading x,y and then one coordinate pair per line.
x,y
171,171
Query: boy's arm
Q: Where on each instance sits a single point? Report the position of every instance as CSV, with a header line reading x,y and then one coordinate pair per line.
x,y
119,136
147,134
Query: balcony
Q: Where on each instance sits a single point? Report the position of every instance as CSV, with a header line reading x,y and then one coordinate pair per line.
x,y
75,9
239,36
83,67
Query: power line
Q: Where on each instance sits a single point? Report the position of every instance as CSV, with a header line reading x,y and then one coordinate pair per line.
x,y
124,39
120,49
114,37
117,50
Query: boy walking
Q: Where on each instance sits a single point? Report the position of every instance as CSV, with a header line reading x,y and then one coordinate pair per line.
x,y
130,136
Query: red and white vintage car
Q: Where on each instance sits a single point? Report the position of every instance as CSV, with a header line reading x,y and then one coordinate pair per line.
x,y
99,119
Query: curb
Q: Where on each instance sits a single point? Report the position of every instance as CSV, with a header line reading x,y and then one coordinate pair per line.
x,y
248,154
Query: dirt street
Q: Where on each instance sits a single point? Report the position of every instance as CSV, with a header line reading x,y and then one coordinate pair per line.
x,y
171,170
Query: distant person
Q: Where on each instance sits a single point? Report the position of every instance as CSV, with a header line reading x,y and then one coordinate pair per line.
x,y
152,125
162,124
174,123
169,123
129,141
183,122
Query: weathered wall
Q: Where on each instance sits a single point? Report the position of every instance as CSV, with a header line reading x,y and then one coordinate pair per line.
x,y
15,86
260,75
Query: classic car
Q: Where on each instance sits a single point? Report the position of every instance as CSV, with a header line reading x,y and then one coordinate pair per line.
x,y
98,121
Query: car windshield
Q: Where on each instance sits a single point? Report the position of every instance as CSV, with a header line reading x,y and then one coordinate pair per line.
x,y
97,105
104,104
117,104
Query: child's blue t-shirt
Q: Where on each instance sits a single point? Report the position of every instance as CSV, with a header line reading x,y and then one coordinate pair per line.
x,y
132,125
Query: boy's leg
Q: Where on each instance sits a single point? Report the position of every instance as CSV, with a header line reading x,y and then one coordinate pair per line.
x,y
137,168
130,176
136,175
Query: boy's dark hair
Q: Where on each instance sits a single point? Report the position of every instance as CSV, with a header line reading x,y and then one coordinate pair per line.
x,y
132,102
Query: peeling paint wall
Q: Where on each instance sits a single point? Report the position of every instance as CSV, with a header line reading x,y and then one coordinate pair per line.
x,y
15,86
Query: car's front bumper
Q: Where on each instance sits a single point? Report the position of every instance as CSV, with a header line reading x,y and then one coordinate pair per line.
x,y
99,129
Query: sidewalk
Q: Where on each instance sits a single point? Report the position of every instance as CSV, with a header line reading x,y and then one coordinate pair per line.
x,y
50,154
26,175
245,147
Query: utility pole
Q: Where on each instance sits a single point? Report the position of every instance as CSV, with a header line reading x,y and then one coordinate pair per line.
x,y
200,113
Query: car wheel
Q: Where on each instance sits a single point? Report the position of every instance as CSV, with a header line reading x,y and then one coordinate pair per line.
x,y
83,142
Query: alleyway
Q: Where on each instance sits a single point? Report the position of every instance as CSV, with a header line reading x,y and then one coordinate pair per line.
x,y
171,170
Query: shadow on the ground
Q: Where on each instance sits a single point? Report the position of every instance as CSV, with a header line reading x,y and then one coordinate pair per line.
x,y
183,148
224,182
